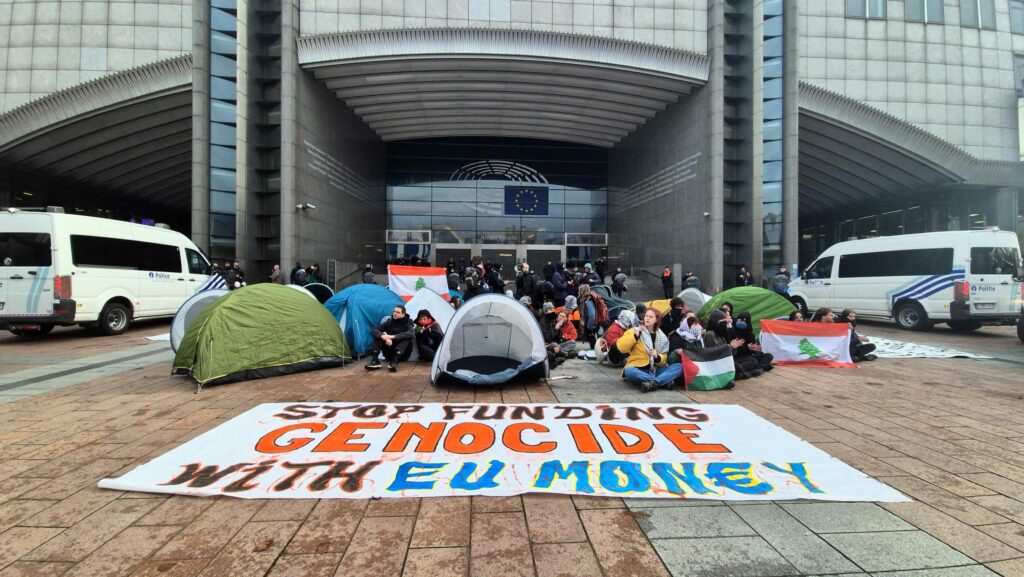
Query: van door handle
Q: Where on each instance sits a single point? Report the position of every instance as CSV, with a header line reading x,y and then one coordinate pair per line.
x,y
16,277
191,280
828,284
32,272
181,279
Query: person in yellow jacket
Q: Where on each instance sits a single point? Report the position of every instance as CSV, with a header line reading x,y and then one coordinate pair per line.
x,y
647,349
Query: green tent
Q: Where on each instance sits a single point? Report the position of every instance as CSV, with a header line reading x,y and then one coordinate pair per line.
x,y
262,330
760,303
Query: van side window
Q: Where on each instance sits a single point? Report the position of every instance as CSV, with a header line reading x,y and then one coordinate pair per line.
x,y
25,249
106,252
917,262
196,263
993,260
821,269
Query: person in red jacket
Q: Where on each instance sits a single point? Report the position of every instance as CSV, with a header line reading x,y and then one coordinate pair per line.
x,y
606,344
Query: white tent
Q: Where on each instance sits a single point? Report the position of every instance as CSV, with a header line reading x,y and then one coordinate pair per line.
x,y
694,298
189,310
438,307
490,340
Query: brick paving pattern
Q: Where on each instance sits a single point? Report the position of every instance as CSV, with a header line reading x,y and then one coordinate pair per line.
x,y
948,433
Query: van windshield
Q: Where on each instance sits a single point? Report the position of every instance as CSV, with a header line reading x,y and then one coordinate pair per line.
x,y
25,249
995,260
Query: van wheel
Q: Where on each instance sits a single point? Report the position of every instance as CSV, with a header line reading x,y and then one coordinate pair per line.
x,y
43,331
911,317
114,319
964,326
800,305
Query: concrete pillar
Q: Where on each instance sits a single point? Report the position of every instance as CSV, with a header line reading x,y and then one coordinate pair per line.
x,y
755,264
201,123
290,71
791,134
1007,201
716,156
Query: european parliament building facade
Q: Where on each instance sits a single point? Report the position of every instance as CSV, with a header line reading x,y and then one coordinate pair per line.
x,y
703,134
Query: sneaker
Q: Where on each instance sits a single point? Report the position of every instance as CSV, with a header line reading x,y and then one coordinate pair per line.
x,y
591,355
581,355
392,367
870,357
648,386
373,364
731,385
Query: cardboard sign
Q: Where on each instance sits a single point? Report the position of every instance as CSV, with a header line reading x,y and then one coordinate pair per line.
x,y
360,450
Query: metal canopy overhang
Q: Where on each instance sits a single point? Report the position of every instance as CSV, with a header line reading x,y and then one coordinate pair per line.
x,y
851,154
129,134
409,84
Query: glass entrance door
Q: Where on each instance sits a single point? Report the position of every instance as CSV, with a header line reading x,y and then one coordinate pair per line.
x,y
460,254
504,255
539,255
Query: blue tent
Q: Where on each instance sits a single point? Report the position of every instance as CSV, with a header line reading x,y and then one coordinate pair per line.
x,y
358,309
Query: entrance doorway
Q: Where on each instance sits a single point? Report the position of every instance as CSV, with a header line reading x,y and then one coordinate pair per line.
x,y
460,254
539,255
505,255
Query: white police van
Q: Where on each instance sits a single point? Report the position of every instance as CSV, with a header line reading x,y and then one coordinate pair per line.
x,y
64,269
964,278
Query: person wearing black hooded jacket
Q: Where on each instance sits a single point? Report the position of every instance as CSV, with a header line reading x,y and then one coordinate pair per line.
x,y
720,332
860,348
428,335
393,337
743,328
558,282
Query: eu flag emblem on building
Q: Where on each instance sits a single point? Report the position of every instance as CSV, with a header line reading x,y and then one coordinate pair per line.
x,y
526,200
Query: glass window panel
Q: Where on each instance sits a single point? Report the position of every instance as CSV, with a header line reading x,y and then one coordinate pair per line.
x,y
772,171
988,13
771,192
229,4
223,66
773,150
448,194
914,10
772,129
772,7
576,196
222,225
222,134
221,20
969,13
450,208
223,89
773,68
876,8
498,223
489,208
1017,16
586,225
408,193
222,201
454,236
455,222
221,111
556,195
856,8
221,43
773,26
409,222
773,47
867,227
936,11
221,179
490,194
892,223
586,211
222,157
773,88
773,109
539,224
409,207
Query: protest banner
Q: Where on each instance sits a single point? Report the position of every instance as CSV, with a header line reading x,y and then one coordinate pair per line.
x,y
360,450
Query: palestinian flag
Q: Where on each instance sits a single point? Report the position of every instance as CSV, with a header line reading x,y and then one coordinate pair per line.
x,y
807,344
405,281
708,369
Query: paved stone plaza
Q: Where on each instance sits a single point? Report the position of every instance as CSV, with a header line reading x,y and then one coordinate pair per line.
x,y
947,432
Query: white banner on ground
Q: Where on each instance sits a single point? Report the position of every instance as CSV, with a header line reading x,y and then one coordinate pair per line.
x,y
890,349
360,450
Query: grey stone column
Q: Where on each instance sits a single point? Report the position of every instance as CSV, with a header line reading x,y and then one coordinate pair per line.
x,y
1007,203
201,123
791,135
290,71
756,148
716,156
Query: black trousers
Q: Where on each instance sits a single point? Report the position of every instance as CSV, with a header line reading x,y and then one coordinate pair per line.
x,y
426,346
399,351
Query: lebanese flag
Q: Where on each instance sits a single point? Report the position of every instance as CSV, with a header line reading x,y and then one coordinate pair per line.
x,y
708,369
807,344
404,281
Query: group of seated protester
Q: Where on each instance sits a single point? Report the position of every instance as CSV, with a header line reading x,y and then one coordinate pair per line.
x,y
395,336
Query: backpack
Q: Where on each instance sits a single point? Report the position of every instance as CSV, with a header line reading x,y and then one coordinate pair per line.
x,y
600,311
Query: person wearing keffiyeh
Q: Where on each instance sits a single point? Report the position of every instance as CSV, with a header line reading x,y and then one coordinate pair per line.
x,y
647,349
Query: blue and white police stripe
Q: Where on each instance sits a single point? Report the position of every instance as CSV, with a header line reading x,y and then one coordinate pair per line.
x,y
928,286
214,282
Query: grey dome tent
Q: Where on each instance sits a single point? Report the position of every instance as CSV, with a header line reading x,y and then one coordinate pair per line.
x,y
490,340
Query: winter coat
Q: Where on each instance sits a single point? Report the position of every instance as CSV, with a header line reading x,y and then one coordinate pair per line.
x,y
635,347
401,329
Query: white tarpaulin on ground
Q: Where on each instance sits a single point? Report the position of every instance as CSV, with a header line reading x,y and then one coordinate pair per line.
x,y
891,349
360,450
